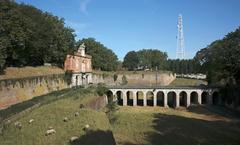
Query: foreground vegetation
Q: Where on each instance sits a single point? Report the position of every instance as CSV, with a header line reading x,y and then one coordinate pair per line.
x,y
122,125
155,126
52,113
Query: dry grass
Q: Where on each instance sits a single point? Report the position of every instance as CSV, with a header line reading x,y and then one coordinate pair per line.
x,y
187,82
52,114
156,125
15,72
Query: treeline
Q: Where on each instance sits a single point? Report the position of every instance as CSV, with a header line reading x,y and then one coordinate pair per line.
x,y
154,59
30,37
221,62
102,57
145,59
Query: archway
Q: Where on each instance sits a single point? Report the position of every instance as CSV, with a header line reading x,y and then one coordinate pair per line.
x,y
119,98
215,98
160,98
149,97
194,98
110,96
183,98
171,99
140,97
129,98
204,97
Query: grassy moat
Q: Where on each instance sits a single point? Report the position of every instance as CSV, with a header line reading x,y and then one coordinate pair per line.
x,y
198,125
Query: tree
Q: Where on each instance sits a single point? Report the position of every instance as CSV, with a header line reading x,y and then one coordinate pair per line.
x,y
146,58
131,60
102,57
32,37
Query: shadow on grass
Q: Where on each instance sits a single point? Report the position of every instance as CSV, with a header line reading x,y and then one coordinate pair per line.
x,y
41,100
97,137
176,130
215,110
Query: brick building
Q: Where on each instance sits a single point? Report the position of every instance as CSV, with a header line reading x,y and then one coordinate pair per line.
x,y
80,66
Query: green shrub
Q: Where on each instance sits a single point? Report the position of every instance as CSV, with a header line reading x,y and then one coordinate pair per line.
x,y
124,80
101,89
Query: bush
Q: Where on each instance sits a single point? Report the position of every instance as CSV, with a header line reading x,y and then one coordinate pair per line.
x,y
124,80
101,89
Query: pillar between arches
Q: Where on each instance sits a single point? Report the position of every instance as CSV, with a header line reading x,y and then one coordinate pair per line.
x,y
134,99
177,99
144,99
199,97
165,99
124,99
155,99
188,99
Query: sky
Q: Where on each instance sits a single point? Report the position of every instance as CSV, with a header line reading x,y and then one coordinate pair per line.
x,y
131,25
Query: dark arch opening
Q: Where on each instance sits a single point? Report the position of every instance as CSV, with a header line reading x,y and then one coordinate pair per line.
x,y
171,99
204,97
215,98
110,96
140,97
119,98
160,98
129,98
194,98
183,98
149,97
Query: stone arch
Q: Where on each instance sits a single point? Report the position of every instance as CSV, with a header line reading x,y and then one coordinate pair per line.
x,y
140,98
171,97
160,98
183,98
119,95
110,96
194,97
204,97
129,95
150,98
215,98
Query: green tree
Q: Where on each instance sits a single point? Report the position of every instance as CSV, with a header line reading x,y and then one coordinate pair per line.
x,y
32,37
131,60
102,57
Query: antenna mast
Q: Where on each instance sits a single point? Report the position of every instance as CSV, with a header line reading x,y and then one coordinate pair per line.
x,y
180,39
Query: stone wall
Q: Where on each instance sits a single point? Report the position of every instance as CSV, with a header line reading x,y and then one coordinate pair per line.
x,y
13,91
135,79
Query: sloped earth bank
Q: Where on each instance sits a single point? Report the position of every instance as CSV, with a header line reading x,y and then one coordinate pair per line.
x,y
199,125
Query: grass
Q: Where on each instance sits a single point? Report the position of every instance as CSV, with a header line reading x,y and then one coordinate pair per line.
x,y
22,72
52,114
187,82
155,126
197,125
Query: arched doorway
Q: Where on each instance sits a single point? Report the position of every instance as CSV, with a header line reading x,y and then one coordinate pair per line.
x,y
140,97
183,99
204,97
215,98
149,97
110,96
160,98
171,99
194,98
119,97
129,98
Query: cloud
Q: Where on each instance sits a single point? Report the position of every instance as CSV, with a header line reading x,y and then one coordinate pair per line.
x,y
84,5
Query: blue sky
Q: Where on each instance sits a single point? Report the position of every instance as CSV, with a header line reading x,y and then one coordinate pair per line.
x,y
126,25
